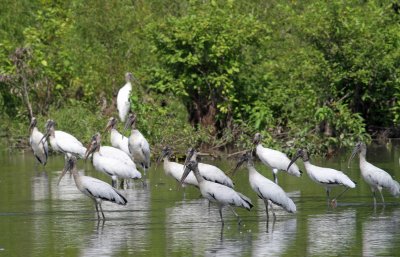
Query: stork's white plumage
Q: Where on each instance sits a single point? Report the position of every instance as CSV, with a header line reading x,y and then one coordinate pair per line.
x,y
210,172
138,146
175,170
115,153
112,161
94,188
40,148
274,159
63,142
123,103
217,193
325,177
266,189
375,177
117,139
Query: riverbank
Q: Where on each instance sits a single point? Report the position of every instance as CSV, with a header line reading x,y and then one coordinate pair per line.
x,y
167,124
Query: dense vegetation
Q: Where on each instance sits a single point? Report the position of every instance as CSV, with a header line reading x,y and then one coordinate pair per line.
x,y
315,74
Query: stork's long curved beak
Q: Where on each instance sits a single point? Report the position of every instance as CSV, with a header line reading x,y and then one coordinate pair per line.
x,y
158,160
31,126
185,174
292,161
353,154
189,156
108,127
89,150
45,136
186,162
163,154
128,123
240,163
67,167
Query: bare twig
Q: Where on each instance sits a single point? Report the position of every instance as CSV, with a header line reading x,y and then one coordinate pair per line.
x,y
236,153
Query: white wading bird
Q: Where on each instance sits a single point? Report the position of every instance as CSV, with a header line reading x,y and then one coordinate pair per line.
x,y
117,139
375,177
40,148
326,177
111,161
123,103
274,159
220,194
175,170
266,189
139,148
63,142
94,188
210,172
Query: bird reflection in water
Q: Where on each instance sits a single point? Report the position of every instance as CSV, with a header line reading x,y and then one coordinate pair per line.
x,y
189,225
380,233
277,239
331,233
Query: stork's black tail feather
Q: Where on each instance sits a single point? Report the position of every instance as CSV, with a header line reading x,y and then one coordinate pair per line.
x,y
247,200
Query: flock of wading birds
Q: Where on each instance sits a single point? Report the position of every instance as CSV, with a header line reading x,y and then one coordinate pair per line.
x,y
120,161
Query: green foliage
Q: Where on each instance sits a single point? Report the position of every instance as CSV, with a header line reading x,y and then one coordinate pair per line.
x,y
359,45
312,74
163,121
201,55
75,118
347,127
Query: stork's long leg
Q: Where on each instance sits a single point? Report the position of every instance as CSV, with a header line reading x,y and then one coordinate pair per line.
x,y
273,211
102,213
220,214
334,200
237,216
327,195
373,195
383,200
266,209
97,209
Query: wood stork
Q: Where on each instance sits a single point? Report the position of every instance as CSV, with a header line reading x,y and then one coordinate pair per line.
x,y
325,177
210,172
266,189
117,139
274,159
123,103
40,148
375,177
63,142
139,148
175,170
111,161
94,188
214,192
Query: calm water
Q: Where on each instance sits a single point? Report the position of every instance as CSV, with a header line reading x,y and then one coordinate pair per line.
x,y
39,218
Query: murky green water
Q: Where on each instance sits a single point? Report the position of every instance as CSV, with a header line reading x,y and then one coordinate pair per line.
x,y
39,218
